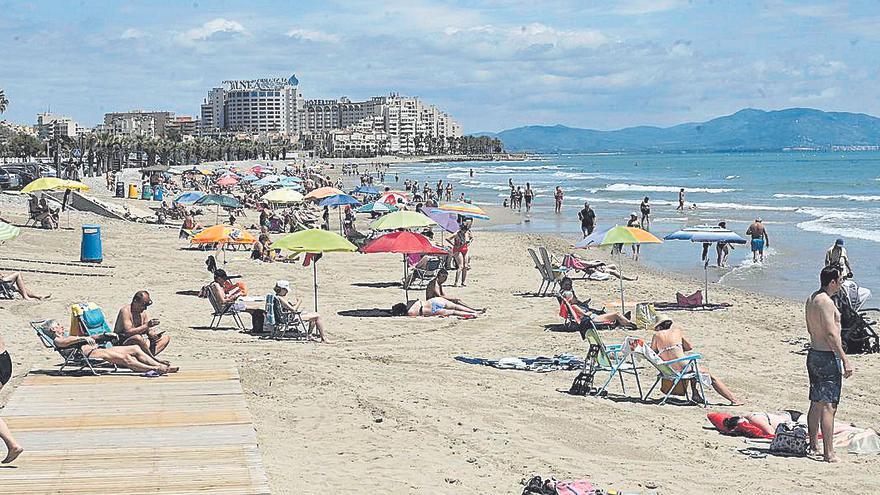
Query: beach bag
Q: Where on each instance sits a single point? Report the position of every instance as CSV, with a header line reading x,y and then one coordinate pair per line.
x,y
579,487
645,315
790,440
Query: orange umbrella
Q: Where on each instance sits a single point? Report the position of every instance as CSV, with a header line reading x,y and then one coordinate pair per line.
x,y
224,234
323,192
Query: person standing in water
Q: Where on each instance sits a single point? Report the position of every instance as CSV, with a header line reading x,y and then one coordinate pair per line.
x,y
633,222
722,249
824,361
680,200
760,240
529,195
645,208
558,196
588,219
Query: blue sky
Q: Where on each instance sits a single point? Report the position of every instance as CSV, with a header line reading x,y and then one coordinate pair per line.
x,y
492,64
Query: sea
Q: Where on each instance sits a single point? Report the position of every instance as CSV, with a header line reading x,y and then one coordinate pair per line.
x,y
806,200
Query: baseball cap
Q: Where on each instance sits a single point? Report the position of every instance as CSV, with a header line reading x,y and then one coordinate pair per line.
x,y
283,284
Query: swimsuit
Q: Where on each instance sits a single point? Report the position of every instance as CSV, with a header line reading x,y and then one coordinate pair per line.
x,y
435,307
757,245
5,368
823,368
669,348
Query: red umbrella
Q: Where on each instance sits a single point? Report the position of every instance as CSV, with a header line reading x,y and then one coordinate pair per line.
x,y
227,180
403,242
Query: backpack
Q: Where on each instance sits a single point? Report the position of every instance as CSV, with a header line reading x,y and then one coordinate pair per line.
x,y
790,440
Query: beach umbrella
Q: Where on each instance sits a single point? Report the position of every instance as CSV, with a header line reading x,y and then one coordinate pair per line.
x,y
402,220
376,207
224,234
227,181
53,184
465,210
338,200
369,190
290,182
706,234
314,241
282,196
618,235
405,243
323,192
393,197
188,197
250,178
448,221
219,200
8,232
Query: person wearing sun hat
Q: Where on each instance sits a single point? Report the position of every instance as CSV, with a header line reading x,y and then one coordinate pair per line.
x,y
316,323
836,256
670,343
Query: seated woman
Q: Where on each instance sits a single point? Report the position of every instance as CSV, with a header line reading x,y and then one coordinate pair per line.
x,y
227,293
669,343
437,306
316,323
582,309
15,279
128,356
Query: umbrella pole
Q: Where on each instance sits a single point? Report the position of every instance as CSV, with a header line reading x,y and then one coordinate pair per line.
x,y
620,271
405,277
706,275
315,278
217,217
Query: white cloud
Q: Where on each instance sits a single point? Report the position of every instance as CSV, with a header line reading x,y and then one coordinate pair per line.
x,y
642,7
538,40
311,35
825,94
211,28
131,34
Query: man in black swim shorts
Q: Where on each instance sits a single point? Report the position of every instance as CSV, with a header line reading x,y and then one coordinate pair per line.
x,y
13,449
824,361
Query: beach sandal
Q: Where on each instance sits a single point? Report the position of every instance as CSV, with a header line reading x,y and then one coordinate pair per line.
x,y
151,374
752,453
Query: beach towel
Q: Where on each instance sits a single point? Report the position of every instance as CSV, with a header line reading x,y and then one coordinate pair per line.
x,y
539,364
691,301
578,487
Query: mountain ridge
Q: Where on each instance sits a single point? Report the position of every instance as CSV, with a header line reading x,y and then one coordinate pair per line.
x,y
748,129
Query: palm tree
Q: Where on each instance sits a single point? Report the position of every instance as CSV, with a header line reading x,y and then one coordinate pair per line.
x,y
3,101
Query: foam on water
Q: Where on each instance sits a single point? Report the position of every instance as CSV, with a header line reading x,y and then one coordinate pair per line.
x,y
674,189
848,197
746,267
842,222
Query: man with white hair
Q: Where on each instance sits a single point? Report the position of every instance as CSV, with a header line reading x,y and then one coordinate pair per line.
x,y
760,239
316,323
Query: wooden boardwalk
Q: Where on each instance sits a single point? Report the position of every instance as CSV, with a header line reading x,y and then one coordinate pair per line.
x,y
184,433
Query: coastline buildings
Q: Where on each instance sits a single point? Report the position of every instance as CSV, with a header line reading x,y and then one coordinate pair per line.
x,y
50,126
275,107
137,123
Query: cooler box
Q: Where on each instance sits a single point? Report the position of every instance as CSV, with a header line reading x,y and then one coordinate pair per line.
x,y
159,193
147,192
132,191
120,189
90,246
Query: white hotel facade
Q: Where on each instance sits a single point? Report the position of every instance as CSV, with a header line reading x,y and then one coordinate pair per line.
x,y
275,106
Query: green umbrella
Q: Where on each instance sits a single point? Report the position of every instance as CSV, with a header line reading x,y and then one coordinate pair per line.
x,y
219,200
314,241
402,220
8,232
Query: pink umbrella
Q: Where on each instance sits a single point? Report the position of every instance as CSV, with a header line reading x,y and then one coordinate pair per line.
x,y
403,242
227,181
392,198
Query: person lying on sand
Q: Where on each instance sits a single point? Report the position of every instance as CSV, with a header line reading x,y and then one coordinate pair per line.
x,y
669,343
437,306
17,281
764,421
435,289
128,356
282,288
135,327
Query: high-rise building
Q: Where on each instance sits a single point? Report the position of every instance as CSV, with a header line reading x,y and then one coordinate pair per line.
x,y
50,126
183,125
255,106
137,123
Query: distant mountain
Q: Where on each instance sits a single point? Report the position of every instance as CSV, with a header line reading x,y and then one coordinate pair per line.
x,y
746,130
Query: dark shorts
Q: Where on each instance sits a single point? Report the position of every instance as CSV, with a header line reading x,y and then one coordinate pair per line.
x,y
823,369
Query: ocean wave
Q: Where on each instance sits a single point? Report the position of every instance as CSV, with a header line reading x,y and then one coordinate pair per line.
x,y
841,222
848,197
642,188
731,177
585,176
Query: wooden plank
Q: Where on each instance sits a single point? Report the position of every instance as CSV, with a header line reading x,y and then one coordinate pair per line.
x,y
188,433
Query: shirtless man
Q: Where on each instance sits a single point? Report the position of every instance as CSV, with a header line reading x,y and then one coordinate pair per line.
x,y
435,289
680,199
760,240
13,449
823,362
135,327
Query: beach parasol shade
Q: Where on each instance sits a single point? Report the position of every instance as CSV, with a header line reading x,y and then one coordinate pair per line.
x,y
224,234
227,180
282,196
402,220
250,178
618,235
219,200
314,241
365,190
377,207
405,243
323,192
8,232
339,200
706,234
465,210
448,221
188,197
393,197
53,183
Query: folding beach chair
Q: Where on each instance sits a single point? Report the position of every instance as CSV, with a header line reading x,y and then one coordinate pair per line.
x,y
554,273
281,321
73,355
612,358
7,290
572,321
221,310
421,276
547,279
690,370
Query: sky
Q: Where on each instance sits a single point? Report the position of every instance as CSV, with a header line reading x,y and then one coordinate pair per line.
x,y
491,64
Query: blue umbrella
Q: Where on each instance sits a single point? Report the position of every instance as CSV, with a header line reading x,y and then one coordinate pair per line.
x,y
290,179
219,200
365,190
189,197
706,234
265,181
339,200
250,178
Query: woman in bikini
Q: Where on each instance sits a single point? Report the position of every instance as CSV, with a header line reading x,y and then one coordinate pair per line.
x,y
436,306
669,343
582,309
460,243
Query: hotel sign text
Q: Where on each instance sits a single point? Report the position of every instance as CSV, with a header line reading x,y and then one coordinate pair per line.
x,y
271,83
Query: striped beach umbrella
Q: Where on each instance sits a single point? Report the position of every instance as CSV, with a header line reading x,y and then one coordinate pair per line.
x,y
8,232
465,210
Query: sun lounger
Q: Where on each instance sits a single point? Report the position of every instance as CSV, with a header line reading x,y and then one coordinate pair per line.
x,y
690,370
7,290
546,278
73,355
221,310
281,321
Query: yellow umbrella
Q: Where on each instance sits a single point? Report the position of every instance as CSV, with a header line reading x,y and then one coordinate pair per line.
x,y
314,241
284,195
53,183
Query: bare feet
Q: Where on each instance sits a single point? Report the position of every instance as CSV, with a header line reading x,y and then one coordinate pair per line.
x,y
13,453
170,369
832,458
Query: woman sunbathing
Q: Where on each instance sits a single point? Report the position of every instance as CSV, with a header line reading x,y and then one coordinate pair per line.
x,y
582,309
595,266
669,343
129,356
767,422
15,279
436,306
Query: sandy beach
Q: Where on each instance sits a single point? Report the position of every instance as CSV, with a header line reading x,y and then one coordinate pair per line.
x,y
386,408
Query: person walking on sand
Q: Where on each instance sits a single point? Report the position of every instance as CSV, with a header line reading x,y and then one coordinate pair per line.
x,y
680,200
588,219
13,449
824,360
558,196
760,240
836,256
645,209
722,249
